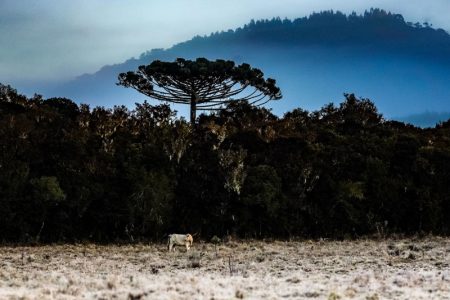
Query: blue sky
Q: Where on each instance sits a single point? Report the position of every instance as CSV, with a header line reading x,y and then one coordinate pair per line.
x,y
45,40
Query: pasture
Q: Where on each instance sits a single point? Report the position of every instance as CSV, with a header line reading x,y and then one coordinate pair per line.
x,y
361,269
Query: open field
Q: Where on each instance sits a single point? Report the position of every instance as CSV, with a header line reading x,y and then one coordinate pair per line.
x,y
363,269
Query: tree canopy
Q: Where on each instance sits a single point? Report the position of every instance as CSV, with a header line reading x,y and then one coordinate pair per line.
x,y
72,173
203,84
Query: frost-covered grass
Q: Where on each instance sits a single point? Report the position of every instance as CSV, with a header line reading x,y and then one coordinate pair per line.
x,y
363,269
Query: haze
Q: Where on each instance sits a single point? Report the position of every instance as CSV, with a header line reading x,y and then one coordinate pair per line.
x,y
51,40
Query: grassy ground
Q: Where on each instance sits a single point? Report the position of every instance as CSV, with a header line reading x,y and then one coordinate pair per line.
x,y
362,269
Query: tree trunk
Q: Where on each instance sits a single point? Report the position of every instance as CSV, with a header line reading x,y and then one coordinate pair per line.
x,y
38,237
193,109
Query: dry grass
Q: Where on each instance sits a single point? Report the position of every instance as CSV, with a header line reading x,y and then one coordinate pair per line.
x,y
363,269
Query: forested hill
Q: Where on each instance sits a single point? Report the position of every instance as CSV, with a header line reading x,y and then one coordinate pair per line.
x,y
376,30
403,67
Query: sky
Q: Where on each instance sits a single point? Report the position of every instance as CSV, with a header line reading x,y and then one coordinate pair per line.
x,y
48,40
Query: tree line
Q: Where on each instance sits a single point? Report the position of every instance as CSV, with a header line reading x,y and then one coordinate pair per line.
x,y
375,28
71,173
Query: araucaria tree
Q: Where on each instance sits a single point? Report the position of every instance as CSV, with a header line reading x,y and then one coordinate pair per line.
x,y
203,84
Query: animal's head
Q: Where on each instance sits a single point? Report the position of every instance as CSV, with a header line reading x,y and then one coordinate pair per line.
x,y
189,239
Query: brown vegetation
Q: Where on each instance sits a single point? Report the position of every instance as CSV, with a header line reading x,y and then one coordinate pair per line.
x,y
362,269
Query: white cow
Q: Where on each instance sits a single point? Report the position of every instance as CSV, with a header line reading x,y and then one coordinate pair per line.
x,y
181,240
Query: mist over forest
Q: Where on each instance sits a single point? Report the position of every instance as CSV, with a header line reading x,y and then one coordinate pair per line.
x,y
302,158
402,66
111,170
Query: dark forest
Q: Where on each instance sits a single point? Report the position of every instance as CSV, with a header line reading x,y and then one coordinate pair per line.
x,y
72,173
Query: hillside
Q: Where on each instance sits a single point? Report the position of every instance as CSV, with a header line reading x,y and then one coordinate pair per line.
x,y
402,67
